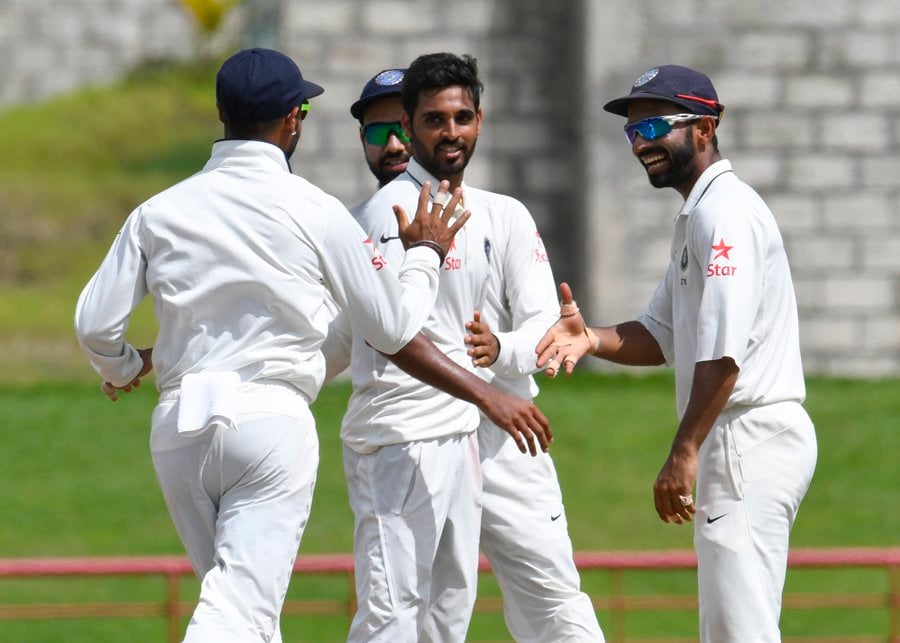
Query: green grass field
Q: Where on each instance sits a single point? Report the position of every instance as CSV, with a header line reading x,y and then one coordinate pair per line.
x,y
77,480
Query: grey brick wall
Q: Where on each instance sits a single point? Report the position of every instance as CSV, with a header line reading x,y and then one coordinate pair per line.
x,y
813,123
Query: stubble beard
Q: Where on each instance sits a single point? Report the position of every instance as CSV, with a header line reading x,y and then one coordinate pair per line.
x,y
386,173
441,171
681,167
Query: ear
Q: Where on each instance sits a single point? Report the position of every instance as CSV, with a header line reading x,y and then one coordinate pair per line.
x,y
221,115
706,128
292,121
478,116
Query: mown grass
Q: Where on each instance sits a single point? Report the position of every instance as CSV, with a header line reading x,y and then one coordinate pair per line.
x,y
76,479
71,169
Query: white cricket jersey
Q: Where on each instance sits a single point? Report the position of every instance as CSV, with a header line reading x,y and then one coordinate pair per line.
x,y
388,406
238,259
521,299
728,293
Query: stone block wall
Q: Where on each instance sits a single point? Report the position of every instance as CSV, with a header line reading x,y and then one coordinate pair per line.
x,y
53,46
812,89
812,123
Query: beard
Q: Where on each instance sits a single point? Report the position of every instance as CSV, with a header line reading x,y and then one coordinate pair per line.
x,y
681,166
289,152
442,169
389,166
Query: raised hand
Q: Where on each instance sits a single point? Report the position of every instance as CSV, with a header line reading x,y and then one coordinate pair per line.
x,y
568,340
482,344
433,226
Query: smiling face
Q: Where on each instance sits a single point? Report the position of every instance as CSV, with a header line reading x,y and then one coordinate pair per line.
x,y
444,130
671,161
389,160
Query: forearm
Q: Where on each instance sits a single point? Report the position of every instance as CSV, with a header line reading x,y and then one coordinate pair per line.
x,y
628,343
424,361
516,356
712,386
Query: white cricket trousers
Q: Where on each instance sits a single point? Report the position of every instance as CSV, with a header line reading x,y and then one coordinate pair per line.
x,y
754,469
525,537
240,499
417,508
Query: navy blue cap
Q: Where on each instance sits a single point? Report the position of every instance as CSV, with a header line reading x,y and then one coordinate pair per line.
x,y
384,83
258,85
673,83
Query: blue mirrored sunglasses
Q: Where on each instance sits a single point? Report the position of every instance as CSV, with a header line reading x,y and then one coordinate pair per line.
x,y
655,127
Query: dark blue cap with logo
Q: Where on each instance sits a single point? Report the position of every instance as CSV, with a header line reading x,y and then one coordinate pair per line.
x,y
258,85
384,83
683,86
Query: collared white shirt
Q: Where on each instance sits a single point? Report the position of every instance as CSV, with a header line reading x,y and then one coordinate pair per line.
x,y
388,406
728,293
238,259
520,303
521,299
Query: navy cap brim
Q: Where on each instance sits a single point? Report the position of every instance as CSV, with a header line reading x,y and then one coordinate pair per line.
x,y
311,90
619,106
358,109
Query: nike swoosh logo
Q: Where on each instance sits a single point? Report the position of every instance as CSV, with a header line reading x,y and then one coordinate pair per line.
x,y
710,520
385,238
556,517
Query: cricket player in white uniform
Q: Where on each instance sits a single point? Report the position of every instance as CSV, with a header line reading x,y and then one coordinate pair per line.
x,y
411,454
725,316
238,259
523,527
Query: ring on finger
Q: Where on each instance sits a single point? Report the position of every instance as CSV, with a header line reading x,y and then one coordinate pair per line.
x,y
686,501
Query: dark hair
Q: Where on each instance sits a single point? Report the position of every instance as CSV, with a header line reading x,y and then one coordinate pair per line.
x,y
250,131
436,71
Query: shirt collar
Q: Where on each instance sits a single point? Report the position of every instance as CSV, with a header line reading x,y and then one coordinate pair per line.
x,y
244,153
709,175
419,175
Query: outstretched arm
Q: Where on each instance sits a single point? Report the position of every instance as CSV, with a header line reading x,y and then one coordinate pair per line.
x,y
521,419
570,339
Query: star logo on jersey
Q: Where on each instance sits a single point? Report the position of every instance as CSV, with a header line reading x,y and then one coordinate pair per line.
x,y
452,263
540,252
714,269
378,259
722,250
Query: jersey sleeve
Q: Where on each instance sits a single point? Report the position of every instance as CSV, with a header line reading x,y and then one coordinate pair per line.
x,y
338,344
658,318
732,250
386,307
106,303
529,292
